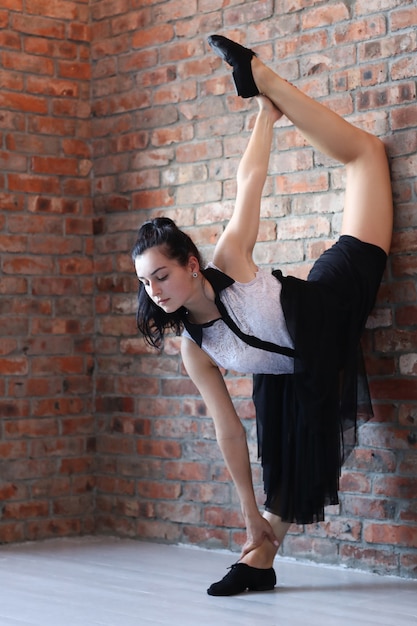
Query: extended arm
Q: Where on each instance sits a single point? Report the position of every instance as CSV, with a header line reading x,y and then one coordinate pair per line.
x,y
233,253
230,435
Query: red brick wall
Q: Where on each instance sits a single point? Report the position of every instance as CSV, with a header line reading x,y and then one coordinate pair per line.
x,y
166,134
46,271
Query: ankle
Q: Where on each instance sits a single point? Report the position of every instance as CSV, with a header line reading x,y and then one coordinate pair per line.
x,y
262,557
259,70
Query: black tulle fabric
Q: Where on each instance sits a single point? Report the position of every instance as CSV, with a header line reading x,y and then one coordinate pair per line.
x,y
306,421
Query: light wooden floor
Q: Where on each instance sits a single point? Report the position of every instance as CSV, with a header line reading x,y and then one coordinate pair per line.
x,y
121,582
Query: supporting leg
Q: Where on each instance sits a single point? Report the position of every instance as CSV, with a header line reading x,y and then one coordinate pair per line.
x,y
233,252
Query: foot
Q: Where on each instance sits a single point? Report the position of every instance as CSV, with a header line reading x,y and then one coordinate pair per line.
x,y
242,577
239,58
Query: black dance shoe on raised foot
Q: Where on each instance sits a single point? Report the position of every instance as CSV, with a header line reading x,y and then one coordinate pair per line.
x,y
242,577
239,58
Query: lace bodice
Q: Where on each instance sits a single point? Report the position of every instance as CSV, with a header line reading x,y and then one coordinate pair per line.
x,y
256,309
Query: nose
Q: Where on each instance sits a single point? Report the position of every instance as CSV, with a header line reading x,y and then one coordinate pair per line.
x,y
153,289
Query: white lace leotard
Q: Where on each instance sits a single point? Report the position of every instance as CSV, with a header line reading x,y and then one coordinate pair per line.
x,y
256,309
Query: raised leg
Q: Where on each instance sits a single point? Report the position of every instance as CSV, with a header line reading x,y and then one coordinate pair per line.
x,y
368,202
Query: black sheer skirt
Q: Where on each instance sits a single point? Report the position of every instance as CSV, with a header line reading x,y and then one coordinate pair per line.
x,y
306,421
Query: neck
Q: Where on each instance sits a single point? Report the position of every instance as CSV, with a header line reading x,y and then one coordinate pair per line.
x,y
202,309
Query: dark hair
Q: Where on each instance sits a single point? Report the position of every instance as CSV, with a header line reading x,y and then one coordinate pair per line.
x,y
152,321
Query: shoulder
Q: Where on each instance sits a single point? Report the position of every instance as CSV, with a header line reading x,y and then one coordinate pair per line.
x,y
195,360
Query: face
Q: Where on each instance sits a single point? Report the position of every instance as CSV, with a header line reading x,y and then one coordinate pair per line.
x,y
167,283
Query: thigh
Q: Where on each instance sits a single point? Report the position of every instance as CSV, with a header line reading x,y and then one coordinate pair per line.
x,y
368,213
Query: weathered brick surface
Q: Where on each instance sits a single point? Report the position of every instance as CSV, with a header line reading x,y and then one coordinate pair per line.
x,y
179,149
46,308
165,135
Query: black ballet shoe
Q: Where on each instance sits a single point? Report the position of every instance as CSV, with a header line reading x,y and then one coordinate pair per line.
x,y
239,58
242,577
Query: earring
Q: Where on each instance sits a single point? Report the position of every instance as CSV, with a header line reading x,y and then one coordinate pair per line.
x,y
194,274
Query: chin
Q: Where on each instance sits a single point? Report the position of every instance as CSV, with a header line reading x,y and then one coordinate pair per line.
x,y
169,308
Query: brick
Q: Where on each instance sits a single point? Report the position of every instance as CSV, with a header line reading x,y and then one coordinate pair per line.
x,y
15,366
18,61
152,199
22,102
53,528
159,448
34,25
310,548
11,450
395,486
408,563
212,493
372,460
156,491
25,511
76,266
404,18
154,529
73,69
33,184
109,8
72,506
407,415
15,5
355,483
58,88
13,285
179,470
218,516
132,21
9,40
372,559
206,537
408,512
59,166
177,512
321,16
368,508
175,10
344,529
55,9
153,36
80,32
12,533
391,534
51,48
116,485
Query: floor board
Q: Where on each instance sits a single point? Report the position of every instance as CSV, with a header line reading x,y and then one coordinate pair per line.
x,y
102,581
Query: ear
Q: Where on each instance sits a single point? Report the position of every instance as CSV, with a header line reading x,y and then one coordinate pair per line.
x,y
193,264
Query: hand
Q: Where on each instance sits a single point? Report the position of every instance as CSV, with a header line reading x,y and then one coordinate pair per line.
x,y
257,531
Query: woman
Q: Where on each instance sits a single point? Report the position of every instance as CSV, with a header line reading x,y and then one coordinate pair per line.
x,y
299,338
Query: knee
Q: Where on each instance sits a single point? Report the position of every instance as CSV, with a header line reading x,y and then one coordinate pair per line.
x,y
375,148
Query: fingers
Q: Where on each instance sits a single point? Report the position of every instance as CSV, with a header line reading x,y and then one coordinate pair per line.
x,y
272,538
252,545
247,548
